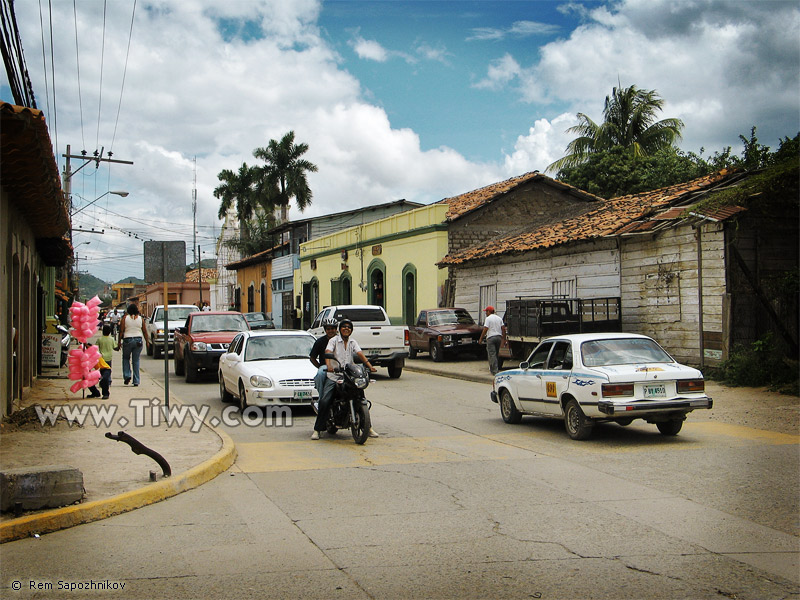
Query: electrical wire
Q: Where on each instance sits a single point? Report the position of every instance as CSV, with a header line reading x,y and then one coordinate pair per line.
x,y
102,61
124,72
53,73
78,64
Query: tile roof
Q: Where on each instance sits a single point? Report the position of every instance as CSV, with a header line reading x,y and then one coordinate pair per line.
x,y
30,175
464,204
625,214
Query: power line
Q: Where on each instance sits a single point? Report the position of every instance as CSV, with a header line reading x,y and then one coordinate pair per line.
x,y
124,72
78,64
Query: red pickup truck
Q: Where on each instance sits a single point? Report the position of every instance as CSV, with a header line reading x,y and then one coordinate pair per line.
x,y
203,339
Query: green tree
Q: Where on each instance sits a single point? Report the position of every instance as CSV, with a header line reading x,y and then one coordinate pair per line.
x,y
616,172
629,122
284,175
238,189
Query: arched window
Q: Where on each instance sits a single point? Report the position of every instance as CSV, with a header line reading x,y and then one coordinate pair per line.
x,y
409,294
376,283
341,289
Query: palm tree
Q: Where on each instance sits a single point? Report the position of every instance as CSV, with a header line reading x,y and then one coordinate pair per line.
x,y
628,122
238,189
284,175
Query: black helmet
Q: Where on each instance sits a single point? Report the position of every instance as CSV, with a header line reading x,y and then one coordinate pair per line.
x,y
329,322
345,322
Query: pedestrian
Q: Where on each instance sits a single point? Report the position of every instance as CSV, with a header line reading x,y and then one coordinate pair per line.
x,y
345,352
131,332
494,331
104,367
206,307
106,346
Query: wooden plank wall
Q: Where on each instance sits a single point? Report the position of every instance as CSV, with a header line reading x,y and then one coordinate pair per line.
x,y
593,266
660,290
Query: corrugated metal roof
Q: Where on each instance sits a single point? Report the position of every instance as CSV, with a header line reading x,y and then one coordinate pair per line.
x,y
625,214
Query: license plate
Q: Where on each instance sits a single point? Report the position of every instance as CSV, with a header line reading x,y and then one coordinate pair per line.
x,y
374,351
465,341
655,390
302,395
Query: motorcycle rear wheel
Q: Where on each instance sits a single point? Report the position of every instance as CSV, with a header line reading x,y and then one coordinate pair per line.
x,y
360,429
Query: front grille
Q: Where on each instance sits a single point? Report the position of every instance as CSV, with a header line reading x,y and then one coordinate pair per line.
x,y
219,347
297,382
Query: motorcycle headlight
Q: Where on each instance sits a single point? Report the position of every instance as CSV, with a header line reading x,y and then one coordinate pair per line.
x,y
260,381
199,347
361,382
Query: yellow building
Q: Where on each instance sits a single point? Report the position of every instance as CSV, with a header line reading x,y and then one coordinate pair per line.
x,y
390,262
253,283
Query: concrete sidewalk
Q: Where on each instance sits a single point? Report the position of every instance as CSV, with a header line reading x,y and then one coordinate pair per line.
x,y
115,479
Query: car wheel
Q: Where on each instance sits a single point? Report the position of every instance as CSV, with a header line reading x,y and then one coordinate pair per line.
x,y
157,351
437,352
508,411
242,398
412,352
395,372
179,366
577,425
670,427
224,394
192,372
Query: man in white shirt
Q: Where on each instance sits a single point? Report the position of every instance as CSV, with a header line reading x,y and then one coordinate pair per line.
x,y
494,330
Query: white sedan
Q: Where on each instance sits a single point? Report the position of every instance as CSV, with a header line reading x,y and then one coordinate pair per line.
x,y
589,378
268,368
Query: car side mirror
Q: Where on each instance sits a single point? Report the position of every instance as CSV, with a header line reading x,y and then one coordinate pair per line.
x,y
524,364
233,357
183,330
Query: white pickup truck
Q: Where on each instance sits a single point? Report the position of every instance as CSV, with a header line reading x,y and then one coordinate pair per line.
x,y
176,314
385,345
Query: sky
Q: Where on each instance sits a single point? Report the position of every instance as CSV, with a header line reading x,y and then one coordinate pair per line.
x,y
414,100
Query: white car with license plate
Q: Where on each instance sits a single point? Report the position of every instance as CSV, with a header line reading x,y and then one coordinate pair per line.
x,y
268,368
599,377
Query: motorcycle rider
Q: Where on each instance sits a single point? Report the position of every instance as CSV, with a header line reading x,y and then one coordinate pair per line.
x,y
345,350
317,357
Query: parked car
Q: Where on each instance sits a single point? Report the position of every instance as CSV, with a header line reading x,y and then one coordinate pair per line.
x,y
259,320
444,331
203,339
596,377
263,368
176,316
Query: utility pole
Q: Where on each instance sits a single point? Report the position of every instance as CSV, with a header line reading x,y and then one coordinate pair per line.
x,y
68,172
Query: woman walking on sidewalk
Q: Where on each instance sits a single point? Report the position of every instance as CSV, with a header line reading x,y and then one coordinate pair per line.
x,y
131,333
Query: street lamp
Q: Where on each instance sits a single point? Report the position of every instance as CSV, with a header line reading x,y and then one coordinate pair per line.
x,y
117,193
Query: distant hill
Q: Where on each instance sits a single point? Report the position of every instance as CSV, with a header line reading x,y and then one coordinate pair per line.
x,y
133,280
90,285
206,263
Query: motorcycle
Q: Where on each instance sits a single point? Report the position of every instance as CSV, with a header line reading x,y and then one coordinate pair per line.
x,y
66,341
349,406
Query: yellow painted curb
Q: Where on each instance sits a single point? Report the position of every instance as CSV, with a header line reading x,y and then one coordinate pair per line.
x,y
69,516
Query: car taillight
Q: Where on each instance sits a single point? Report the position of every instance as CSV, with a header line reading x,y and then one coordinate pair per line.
x,y
405,337
691,386
617,389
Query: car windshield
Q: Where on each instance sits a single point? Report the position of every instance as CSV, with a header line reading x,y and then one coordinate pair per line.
x,y
206,323
623,351
256,316
276,347
175,313
450,317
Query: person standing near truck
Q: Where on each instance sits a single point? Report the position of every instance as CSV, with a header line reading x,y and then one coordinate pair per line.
x,y
494,331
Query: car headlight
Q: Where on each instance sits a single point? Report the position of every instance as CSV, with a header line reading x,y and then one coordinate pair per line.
x,y
259,381
159,332
199,347
447,338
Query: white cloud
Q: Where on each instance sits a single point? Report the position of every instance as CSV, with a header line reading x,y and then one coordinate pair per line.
x,y
544,144
369,49
519,29
501,72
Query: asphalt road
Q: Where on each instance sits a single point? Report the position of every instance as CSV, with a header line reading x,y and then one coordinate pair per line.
x,y
450,502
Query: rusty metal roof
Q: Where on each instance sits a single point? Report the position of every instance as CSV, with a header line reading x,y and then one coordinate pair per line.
x,y
29,175
627,214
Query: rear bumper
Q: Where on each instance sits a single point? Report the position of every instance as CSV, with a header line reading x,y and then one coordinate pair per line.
x,y
641,407
386,360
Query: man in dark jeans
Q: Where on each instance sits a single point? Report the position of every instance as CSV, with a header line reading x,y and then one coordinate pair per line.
x,y
324,385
